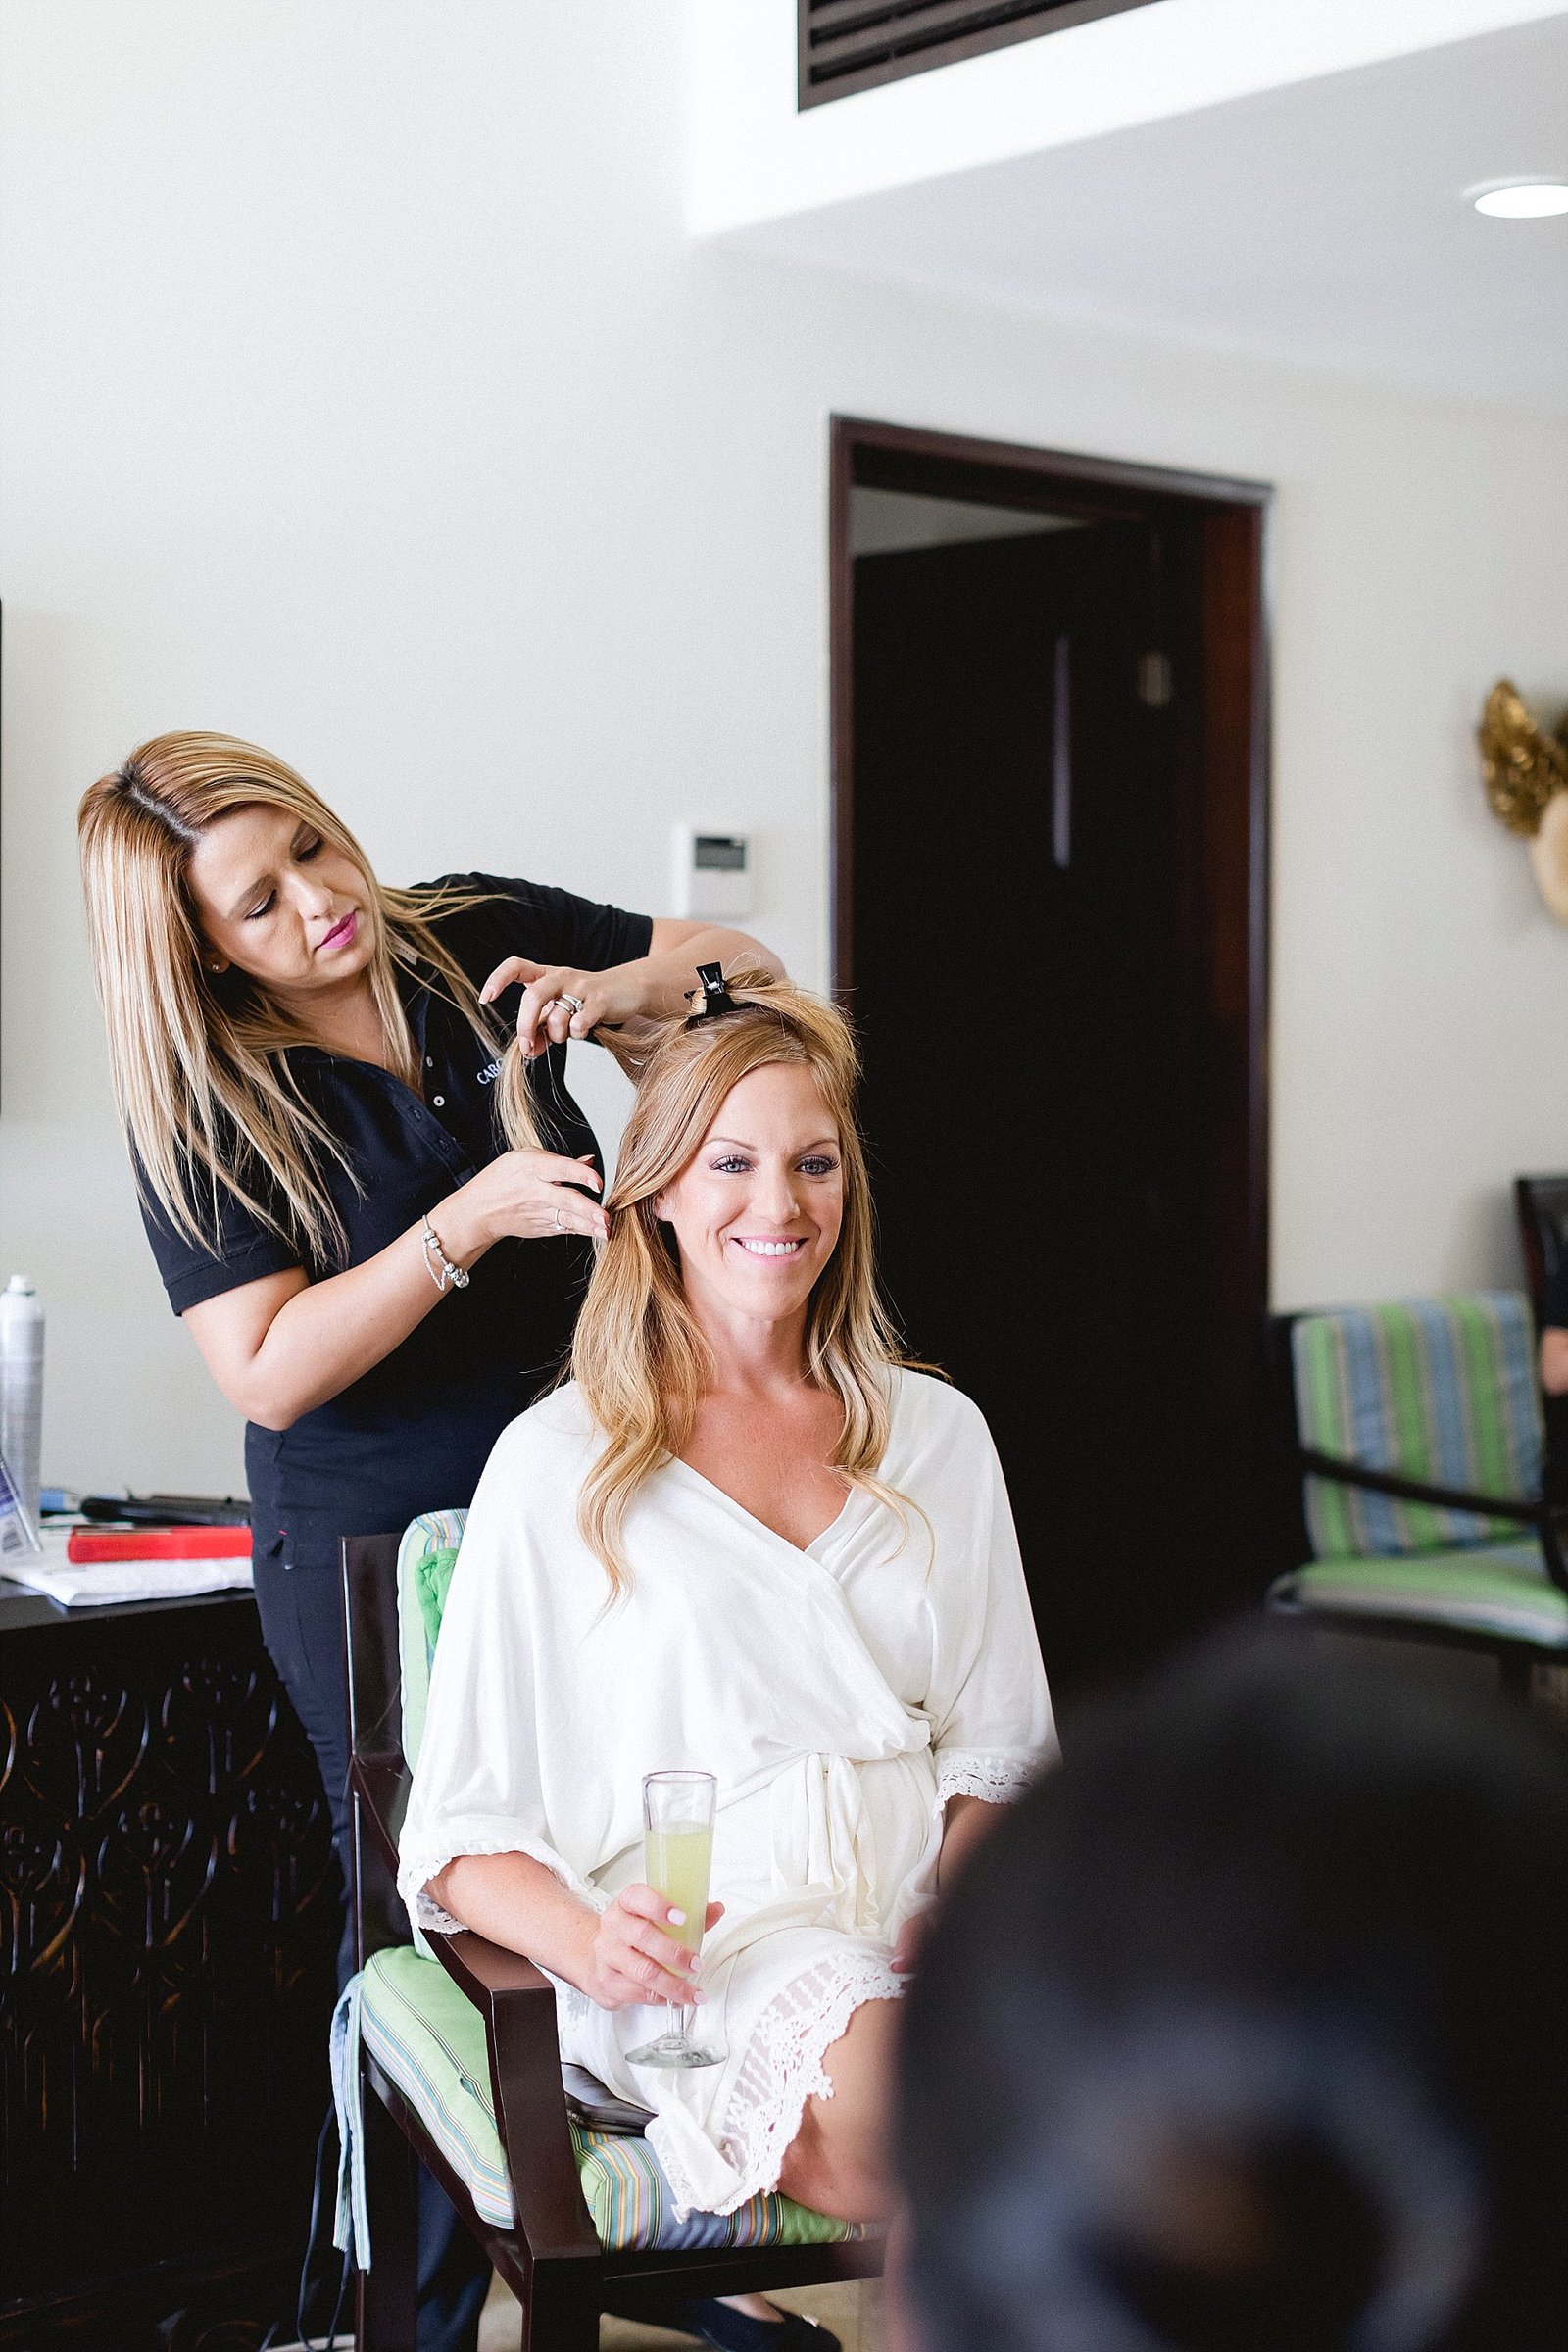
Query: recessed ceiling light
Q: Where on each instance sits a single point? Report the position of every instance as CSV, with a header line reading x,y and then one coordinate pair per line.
x,y
1520,199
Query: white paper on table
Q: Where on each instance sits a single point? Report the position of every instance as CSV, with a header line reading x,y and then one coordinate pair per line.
x,y
96,1584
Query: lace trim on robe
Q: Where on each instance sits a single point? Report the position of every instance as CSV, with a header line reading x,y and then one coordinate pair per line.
x,y
973,1772
415,1869
428,1914
783,2066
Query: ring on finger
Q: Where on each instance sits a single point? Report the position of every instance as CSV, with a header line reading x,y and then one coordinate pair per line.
x,y
560,1228
574,1002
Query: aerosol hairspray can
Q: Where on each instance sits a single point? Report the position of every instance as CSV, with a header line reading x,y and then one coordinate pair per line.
x,y
22,1387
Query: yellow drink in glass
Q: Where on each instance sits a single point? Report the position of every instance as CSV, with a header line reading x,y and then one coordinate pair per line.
x,y
676,1862
678,1809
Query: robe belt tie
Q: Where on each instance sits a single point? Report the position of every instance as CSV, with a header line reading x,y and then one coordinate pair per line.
x,y
823,1842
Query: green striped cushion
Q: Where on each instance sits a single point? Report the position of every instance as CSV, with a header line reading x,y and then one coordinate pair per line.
x,y
1441,1390
1498,1589
429,2040
427,1557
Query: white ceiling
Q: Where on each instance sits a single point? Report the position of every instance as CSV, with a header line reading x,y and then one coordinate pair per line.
x,y
1323,223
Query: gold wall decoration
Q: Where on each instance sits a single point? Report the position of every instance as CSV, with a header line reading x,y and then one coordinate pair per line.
x,y
1521,764
1525,771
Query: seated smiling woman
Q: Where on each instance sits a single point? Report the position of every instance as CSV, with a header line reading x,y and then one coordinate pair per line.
x,y
745,1540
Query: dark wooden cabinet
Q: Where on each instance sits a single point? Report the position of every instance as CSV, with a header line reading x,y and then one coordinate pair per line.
x,y
169,1923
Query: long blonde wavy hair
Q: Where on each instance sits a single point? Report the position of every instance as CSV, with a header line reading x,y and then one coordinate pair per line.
x,y
200,1062
638,1356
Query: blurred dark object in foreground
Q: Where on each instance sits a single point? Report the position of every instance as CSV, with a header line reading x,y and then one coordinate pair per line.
x,y
1249,2027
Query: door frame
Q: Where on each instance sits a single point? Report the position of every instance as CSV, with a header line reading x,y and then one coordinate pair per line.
x,y
1224,525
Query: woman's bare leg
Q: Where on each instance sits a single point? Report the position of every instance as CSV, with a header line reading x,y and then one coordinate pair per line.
x,y
839,2161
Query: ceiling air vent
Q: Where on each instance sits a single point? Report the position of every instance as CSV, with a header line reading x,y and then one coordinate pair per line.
x,y
849,45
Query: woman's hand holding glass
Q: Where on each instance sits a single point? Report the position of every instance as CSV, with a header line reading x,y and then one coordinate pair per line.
x,y
634,1960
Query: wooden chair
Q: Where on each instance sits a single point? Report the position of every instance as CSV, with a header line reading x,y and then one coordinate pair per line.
x,y
552,2257
1427,1411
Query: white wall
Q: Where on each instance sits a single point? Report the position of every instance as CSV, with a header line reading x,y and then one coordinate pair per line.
x,y
363,397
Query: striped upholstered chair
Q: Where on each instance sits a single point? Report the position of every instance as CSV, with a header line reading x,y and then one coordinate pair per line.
x,y
1419,1453
458,2062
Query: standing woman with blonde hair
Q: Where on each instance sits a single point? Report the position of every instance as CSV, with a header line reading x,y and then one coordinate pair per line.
x,y
304,1062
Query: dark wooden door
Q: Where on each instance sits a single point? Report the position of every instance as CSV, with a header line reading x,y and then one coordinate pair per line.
x,y
1023,886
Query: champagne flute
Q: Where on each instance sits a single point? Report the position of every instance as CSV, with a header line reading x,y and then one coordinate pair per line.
x,y
677,1855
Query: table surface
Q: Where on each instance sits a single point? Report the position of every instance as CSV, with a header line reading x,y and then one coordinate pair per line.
x,y
20,1607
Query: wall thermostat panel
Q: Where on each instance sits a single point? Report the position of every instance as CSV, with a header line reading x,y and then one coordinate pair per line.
x,y
712,873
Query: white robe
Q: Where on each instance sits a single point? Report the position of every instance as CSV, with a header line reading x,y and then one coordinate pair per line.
x,y
840,1694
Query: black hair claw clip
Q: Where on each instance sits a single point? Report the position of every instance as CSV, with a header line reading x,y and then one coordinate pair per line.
x,y
711,999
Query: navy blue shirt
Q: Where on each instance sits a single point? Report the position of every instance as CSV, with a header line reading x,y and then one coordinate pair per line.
x,y
414,1432
1554,1305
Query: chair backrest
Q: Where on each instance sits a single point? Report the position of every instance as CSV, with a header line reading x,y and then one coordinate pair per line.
x,y
1540,1204
1282,1514
394,1589
427,1557
1440,1389
371,1649
371,1643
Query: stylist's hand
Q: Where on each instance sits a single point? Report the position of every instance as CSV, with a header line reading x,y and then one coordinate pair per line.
x,y
532,1196
632,1961
611,996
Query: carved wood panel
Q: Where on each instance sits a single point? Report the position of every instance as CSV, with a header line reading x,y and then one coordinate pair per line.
x,y
169,1919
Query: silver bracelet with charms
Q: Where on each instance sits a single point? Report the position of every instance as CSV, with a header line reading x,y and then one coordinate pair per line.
x,y
438,1266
